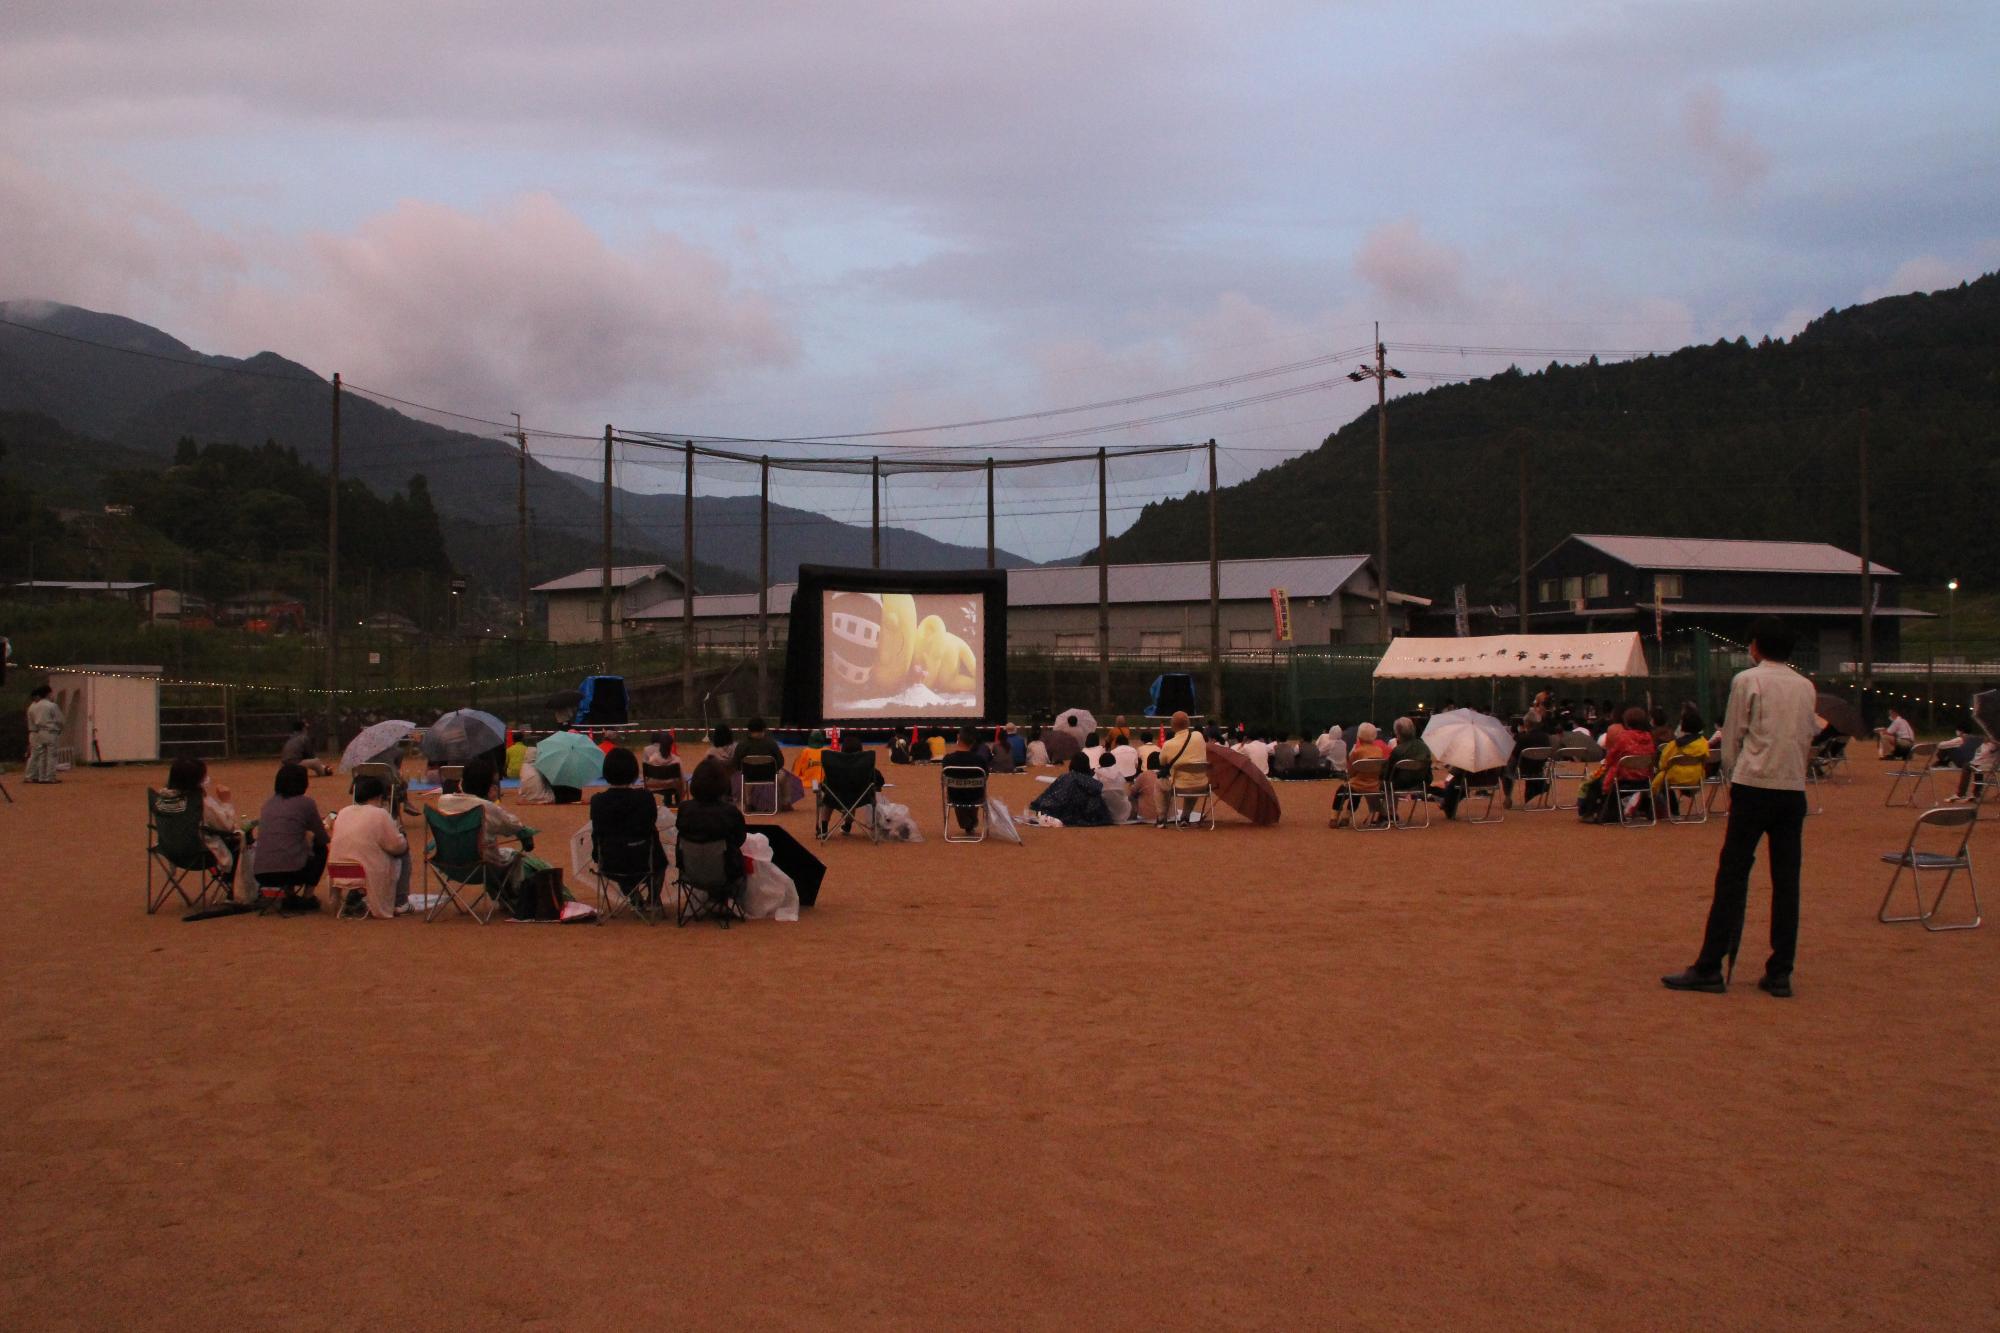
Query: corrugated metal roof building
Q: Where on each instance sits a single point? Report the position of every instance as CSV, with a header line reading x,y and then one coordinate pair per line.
x,y
576,601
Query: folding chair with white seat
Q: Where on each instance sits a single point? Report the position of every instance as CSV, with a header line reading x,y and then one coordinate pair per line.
x,y
1632,787
760,780
1919,770
1942,856
1410,780
964,790
1349,802
630,875
347,881
1571,763
709,883
1487,786
1542,788
1181,797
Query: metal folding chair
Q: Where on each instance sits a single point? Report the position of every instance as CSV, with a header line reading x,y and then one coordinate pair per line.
x,y
1686,797
1715,786
1919,770
1830,759
1632,788
174,847
1410,780
390,775
708,886
964,790
628,865
1571,763
1487,786
1544,786
760,776
1940,856
1180,798
1351,802
453,864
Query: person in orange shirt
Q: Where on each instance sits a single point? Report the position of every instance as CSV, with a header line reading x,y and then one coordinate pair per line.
x,y
1361,789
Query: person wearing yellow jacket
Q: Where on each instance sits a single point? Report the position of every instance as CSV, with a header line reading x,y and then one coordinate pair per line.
x,y
1684,759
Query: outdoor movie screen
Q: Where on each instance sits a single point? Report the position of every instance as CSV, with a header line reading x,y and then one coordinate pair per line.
x,y
902,655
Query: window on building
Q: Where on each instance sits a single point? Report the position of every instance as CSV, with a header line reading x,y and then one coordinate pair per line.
x,y
1546,591
1249,640
1077,645
1572,588
1159,640
1666,587
1597,585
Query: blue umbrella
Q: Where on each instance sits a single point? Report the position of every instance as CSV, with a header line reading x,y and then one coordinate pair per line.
x,y
566,759
460,737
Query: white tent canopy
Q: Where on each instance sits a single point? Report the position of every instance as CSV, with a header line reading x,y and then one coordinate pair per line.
x,y
1536,656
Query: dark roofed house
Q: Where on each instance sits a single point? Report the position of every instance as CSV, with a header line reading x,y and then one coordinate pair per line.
x,y
1593,581
576,601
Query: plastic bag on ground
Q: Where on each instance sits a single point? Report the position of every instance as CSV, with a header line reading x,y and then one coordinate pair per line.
x,y
1000,821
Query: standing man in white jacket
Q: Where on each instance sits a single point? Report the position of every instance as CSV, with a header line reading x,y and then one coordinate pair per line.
x,y
1767,737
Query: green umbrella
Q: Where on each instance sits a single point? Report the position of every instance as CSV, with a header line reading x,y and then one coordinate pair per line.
x,y
566,759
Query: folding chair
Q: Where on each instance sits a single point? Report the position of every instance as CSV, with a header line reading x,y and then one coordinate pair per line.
x,y
1202,797
1487,786
848,788
389,775
449,778
1920,862
1919,770
709,882
634,868
1417,792
1685,797
760,775
1353,802
1571,763
1632,788
452,860
347,881
1544,786
174,846
1715,786
1830,758
964,789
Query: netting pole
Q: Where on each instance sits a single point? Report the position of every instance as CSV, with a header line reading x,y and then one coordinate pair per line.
x,y
333,567
604,585
989,513
1214,708
1103,584
687,587
763,584
875,512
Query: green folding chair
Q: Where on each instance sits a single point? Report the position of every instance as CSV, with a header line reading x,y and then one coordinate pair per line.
x,y
453,863
174,847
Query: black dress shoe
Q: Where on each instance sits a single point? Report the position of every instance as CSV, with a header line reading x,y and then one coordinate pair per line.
x,y
1779,987
1709,983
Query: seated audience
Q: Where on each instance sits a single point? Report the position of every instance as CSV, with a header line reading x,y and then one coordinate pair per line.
x,y
1532,774
290,852
722,744
708,815
1185,749
517,754
299,749
1019,745
1631,736
220,832
1117,791
1258,751
660,767
1074,798
1684,758
366,834
1895,740
1332,747
852,776
627,813
1409,746
478,790
1361,792
805,764
757,743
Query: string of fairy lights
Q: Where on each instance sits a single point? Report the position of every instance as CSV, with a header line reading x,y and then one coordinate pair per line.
x,y
565,672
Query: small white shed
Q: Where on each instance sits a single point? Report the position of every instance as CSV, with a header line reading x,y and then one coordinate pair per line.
x,y
111,713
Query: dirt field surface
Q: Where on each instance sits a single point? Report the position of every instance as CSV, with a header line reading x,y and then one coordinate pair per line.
x,y
1283,1077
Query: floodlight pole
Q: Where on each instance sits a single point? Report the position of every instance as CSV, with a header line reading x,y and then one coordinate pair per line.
x,y
1867,569
1103,586
333,567
875,512
687,586
604,583
989,513
1214,708
521,516
763,582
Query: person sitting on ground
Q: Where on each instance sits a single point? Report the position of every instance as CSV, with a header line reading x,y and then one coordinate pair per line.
x,y
625,813
852,776
805,764
1116,787
1184,767
1119,734
517,753
935,743
1093,746
1074,799
1002,755
1683,759
1126,755
708,815
220,831
367,835
1258,751
477,790
1897,739
1019,745
290,852
1633,735
660,768
299,749
1361,791
1332,748
1059,745
722,744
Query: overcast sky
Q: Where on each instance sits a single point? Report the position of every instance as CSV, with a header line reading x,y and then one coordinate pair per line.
x,y
755,218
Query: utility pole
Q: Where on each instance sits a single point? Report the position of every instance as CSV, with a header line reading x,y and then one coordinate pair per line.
x,y
521,514
1381,372
1521,462
875,512
1867,569
989,513
763,582
1103,585
333,568
1214,708
604,588
687,586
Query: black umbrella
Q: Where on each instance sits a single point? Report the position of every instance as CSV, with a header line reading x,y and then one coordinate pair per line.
x,y
1841,715
562,699
790,855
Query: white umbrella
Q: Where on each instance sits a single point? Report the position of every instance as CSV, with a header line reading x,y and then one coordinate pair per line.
x,y
1468,739
380,743
1078,722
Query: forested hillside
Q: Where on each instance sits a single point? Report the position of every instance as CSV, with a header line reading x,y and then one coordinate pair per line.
x,y
1726,440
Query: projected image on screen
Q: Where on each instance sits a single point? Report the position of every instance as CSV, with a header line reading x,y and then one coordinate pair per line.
x,y
898,654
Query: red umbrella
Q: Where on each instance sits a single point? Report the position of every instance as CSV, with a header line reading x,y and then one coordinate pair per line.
x,y
1241,787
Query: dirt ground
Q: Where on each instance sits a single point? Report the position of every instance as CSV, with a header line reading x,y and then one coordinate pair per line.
x,y
1281,1077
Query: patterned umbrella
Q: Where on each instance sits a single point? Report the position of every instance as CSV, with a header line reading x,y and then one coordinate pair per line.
x,y
460,737
381,743
1241,787
566,759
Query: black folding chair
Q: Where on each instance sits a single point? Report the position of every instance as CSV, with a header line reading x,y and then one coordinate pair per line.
x,y
636,868
760,775
1940,856
964,788
709,883
847,788
1410,781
